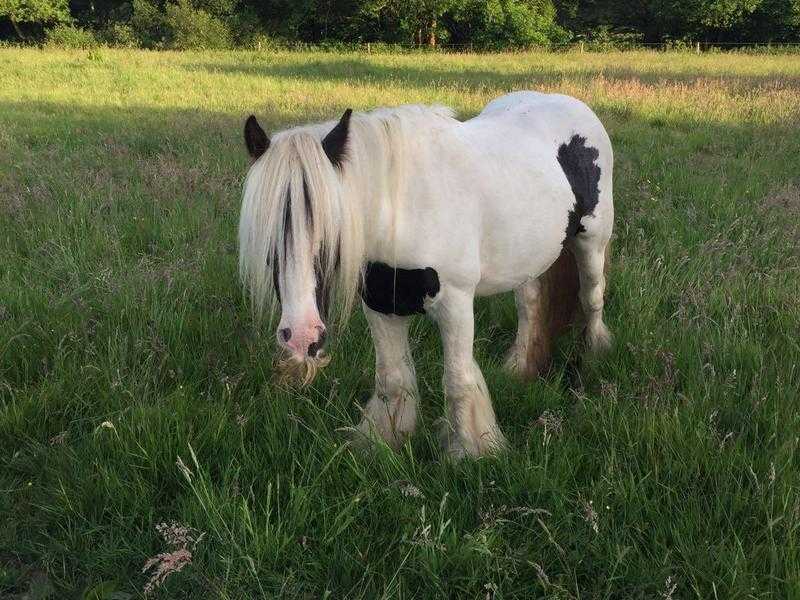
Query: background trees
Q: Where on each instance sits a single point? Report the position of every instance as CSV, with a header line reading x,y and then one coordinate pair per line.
x,y
478,23
37,13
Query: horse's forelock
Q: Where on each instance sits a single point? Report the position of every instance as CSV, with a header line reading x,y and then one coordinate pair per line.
x,y
293,210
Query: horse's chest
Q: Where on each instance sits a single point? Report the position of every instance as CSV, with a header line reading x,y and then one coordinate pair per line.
x,y
397,291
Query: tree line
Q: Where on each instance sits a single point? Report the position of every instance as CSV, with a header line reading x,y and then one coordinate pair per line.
x,y
480,24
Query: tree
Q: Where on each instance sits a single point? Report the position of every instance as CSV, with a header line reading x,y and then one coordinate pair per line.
x,y
421,18
659,20
506,23
773,21
193,28
41,12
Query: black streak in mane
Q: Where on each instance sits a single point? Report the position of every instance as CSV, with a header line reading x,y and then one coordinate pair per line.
x,y
577,162
398,291
287,223
323,290
309,210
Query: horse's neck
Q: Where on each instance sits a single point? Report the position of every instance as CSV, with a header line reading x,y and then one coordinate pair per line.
x,y
377,183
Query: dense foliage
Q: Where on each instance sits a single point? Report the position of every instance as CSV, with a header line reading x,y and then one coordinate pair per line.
x,y
480,24
35,13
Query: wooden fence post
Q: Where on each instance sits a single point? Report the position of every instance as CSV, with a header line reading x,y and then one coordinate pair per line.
x,y
698,47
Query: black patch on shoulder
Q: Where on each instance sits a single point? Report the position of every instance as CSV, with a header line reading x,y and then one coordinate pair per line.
x,y
577,162
400,292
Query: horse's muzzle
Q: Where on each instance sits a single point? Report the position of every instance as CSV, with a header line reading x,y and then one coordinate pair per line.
x,y
295,370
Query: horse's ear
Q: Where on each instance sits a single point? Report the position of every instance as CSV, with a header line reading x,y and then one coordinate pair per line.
x,y
255,139
335,143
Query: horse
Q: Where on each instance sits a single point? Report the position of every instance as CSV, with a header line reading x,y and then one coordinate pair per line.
x,y
412,211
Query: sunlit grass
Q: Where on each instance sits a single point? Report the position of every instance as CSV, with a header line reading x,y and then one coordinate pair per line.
x,y
120,178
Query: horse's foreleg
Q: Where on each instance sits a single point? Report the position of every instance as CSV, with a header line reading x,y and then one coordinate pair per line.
x,y
471,427
391,412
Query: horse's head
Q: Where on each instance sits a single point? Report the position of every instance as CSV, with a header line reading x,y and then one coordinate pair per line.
x,y
294,240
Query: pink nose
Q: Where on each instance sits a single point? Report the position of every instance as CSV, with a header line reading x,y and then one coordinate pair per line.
x,y
302,341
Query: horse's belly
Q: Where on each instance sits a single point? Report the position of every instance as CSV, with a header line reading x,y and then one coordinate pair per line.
x,y
523,234
506,271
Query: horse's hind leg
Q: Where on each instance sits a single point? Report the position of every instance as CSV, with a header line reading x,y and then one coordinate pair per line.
x,y
546,306
530,354
590,255
391,412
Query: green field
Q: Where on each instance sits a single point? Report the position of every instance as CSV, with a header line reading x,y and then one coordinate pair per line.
x,y
669,469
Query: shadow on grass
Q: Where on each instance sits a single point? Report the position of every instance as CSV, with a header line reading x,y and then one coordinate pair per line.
x,y
368,71
195,159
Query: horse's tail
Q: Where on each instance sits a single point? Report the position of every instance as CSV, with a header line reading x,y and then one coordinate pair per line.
x,y
559,309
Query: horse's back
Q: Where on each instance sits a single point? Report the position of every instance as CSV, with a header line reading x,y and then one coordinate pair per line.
x,y
525,137
549,117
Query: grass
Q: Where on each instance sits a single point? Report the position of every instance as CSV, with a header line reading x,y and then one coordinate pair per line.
x,y
125,345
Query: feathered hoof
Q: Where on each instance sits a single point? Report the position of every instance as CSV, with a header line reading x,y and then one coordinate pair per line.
x,y
386,420
363,438
527,365
598,339
512,363
368,435
462,445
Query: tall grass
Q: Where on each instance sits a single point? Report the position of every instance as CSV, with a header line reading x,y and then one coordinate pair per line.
x,y
134,389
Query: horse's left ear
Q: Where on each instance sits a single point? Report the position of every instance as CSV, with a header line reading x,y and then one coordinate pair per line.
x,y
335,143
255,138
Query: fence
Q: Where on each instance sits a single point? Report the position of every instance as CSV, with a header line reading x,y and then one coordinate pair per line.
x,y
579,47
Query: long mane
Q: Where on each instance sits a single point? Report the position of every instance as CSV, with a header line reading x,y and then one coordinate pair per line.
x,y
298,207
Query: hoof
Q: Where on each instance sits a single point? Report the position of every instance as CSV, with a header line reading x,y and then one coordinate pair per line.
x,y
598,339
460,445
390,420
513,363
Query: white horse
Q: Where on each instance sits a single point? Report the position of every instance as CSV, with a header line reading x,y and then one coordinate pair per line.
x,y
418,212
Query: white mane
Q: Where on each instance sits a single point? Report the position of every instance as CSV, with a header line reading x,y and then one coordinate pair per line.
x,y
337,210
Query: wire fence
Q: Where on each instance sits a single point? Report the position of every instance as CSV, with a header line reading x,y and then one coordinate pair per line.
x,y
697,47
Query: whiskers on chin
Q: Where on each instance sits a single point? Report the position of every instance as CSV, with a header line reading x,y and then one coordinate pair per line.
x,y
293,370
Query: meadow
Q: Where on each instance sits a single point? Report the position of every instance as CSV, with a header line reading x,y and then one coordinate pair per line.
x,y
135,389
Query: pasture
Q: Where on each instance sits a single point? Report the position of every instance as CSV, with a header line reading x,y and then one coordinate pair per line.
x,y
136,390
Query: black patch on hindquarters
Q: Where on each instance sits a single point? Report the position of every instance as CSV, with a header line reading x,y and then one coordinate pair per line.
x,y
400,292
577,162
